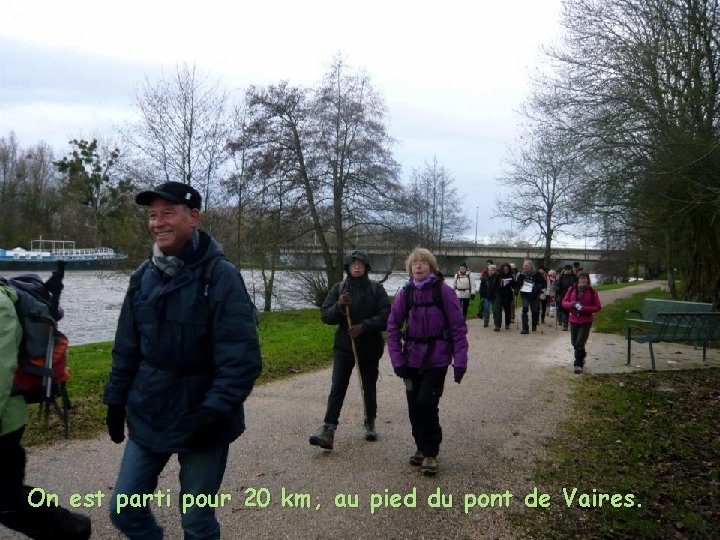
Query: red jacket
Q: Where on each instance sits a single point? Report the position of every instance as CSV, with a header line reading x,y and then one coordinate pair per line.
x,y
590,302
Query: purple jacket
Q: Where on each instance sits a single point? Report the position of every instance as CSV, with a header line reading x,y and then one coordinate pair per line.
x,y
426,321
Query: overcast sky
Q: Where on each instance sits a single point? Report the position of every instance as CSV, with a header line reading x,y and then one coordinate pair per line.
x,y
453,73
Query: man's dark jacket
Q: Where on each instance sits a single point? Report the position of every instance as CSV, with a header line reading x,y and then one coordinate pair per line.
x,y
177,351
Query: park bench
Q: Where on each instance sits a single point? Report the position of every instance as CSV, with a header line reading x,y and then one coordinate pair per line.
x,y
671,320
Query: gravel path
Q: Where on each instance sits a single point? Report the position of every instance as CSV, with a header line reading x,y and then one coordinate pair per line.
x,y
495,425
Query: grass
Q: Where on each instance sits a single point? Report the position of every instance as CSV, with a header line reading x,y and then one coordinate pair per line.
x,y
652,435
291,342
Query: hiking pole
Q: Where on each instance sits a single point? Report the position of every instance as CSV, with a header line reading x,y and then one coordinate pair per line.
x,y
355,356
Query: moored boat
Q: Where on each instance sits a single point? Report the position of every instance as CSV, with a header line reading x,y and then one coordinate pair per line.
x,y
45,254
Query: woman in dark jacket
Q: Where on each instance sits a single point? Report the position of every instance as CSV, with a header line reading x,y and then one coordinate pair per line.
x,y
506,295
369,306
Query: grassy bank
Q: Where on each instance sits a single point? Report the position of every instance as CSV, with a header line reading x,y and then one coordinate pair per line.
x,y
654,436
291,342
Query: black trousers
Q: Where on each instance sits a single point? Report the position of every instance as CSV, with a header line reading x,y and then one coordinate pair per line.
x,y
43,522
423,391
343,364
12,471
579,334
464,303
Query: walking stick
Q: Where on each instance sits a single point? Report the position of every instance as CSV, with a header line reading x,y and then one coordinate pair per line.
x,y
355,356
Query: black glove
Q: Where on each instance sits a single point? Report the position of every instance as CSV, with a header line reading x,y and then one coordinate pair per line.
x,y
472,296
459,374
115,422
54,284
204,428
401,372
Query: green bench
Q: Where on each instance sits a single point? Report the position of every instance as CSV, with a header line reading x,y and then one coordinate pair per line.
x,y
671,320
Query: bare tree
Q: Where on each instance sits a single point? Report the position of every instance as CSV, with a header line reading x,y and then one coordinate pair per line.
x,y
431,207
639,85
545,183
331,144
183,129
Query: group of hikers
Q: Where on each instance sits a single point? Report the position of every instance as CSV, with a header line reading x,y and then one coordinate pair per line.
x,y
566,292
186,356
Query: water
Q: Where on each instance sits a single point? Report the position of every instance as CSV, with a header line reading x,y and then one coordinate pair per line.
x,y
92,300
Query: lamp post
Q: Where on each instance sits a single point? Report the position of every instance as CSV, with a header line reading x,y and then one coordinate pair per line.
x,y
476,223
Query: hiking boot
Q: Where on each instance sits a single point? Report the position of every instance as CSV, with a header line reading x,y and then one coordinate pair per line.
x,y
324,439
507,327
370,433
524,331
417,458
485,325
429,466
578,370
565,327
496,329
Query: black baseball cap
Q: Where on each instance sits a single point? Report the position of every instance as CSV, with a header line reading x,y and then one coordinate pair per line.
x,y
175,192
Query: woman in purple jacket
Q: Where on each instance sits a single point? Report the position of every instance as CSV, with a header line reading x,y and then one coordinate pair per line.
x,y
433,337
580,302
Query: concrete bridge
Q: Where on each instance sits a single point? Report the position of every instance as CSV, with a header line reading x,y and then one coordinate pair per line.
x,y
385,257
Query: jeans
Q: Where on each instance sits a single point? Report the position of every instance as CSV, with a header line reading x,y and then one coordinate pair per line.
x,y
343,365
200,472
423,391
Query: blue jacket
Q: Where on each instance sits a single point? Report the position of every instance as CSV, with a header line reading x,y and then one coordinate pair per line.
x,y
176,351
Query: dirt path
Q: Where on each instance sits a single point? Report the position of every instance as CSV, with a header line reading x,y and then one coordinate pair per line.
x,y
495,424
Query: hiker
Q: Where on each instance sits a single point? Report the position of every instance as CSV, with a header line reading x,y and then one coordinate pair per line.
x,y
542,272
435,336
185,358
464,288
481,304
44,522
528,284
489,287
581,301
361,335
506,295
562,285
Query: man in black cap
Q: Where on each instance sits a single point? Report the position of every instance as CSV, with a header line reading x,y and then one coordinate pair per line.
x,y
359,333
186,356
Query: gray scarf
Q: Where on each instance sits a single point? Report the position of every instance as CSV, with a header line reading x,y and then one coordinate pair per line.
x,y
169,264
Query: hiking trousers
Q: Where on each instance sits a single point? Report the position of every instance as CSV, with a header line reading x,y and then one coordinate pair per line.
x,y
201,472
579,334
343,364
423,392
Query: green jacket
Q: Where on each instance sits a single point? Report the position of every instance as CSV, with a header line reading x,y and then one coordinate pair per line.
x,y
13,410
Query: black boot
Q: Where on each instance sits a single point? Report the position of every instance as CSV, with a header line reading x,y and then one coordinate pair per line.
x,y
579,360
370,433
325,437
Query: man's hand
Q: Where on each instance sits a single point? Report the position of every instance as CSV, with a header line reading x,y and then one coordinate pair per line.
x,y
204,427
356,330
459,373
115,422
344,299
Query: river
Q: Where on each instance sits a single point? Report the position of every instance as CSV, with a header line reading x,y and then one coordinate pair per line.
x,y
92,300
